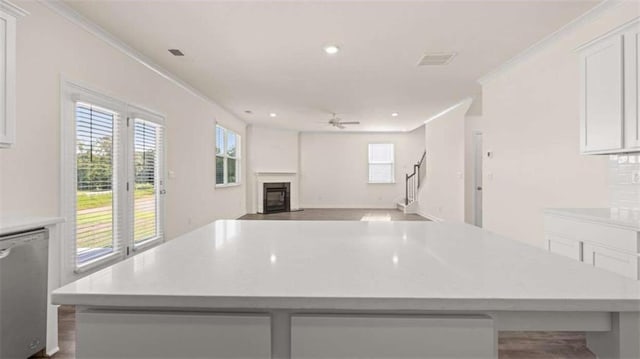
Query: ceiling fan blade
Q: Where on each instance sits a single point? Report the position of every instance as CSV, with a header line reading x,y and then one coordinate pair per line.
x,y
350,123
340,126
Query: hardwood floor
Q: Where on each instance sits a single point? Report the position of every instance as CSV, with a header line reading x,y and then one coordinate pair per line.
x,y
511,345
66,334
543,345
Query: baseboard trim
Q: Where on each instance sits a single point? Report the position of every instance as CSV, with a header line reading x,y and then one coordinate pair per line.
x,y
430,217
348,206
52,351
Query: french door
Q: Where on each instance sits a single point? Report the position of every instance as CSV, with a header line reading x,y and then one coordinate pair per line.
x,y
113,178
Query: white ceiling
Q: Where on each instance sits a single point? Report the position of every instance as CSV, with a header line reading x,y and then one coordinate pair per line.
x,y
267,56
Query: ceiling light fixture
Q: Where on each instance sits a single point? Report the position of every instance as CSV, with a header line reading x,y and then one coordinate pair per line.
x,y
273,114
395,114
331,49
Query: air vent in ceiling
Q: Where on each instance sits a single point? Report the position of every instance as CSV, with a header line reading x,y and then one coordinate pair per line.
x,y
176,52
436,59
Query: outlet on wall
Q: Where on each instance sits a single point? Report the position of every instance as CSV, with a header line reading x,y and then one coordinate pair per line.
x,y
635,177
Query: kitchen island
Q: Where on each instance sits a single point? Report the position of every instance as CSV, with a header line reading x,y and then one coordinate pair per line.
x,y
344,289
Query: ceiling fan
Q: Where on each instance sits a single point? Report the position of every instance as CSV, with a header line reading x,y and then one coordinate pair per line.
x,y
338,123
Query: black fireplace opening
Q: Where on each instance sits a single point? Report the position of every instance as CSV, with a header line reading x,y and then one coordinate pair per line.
x,y
277,197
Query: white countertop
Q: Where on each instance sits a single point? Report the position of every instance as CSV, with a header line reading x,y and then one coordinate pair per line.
x,y
11,223
351,265
624,218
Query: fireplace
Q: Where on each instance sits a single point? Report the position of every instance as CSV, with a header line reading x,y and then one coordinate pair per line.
x,y
277,197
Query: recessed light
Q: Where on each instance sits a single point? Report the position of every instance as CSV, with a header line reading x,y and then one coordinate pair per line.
x,y
395,114
273,114
248,112
176,52
331,49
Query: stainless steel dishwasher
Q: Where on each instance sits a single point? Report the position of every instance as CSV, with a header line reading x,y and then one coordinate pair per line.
x,y
23,293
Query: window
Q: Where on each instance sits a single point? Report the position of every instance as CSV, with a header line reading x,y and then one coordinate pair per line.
x,y
227,157
381,163
113,177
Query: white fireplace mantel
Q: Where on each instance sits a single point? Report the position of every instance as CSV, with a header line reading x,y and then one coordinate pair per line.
x,y
263,177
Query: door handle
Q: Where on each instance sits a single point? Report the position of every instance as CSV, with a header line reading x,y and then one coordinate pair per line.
x,y
479,188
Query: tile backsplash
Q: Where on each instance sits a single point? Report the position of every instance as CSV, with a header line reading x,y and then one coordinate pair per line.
x,y
624,181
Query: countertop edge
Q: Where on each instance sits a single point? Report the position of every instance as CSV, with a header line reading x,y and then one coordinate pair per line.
x,y
36,222
169,302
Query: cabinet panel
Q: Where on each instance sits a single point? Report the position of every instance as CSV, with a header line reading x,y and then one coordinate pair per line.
x,y
563,246
392,337
602,96
625,264
114,334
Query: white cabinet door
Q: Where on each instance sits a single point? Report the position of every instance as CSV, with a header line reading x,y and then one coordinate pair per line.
x,y
602,96
352,336
564,246
169,335
623,263
7,79
632,83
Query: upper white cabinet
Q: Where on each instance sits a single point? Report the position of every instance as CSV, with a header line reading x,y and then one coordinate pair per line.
x,y
8,14
632,95
608,92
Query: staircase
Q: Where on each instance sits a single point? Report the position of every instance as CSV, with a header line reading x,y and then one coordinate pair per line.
x,y
412,184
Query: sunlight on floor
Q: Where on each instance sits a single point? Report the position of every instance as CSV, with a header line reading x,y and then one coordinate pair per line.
x,y
376,218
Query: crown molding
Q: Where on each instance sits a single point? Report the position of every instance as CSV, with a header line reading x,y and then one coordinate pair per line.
x,y
12,8
541,45
80,20
465,102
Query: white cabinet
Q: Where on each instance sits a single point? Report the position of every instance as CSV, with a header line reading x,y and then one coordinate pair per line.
x,y
609,95
632,86
8,14
601,245
620,262
7,79
370,336
133,334
567,247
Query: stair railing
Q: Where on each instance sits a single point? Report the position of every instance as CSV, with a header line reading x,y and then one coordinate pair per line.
x,y
412,181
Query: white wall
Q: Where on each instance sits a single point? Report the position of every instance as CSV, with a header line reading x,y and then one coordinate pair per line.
x,y
531,123
269,150
442,196
334,168
49,46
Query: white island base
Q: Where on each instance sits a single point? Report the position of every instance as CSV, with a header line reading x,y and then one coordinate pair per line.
x,y
284,334
245,289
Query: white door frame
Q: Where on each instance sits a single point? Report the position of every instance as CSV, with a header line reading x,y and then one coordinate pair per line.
x,y
476,184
